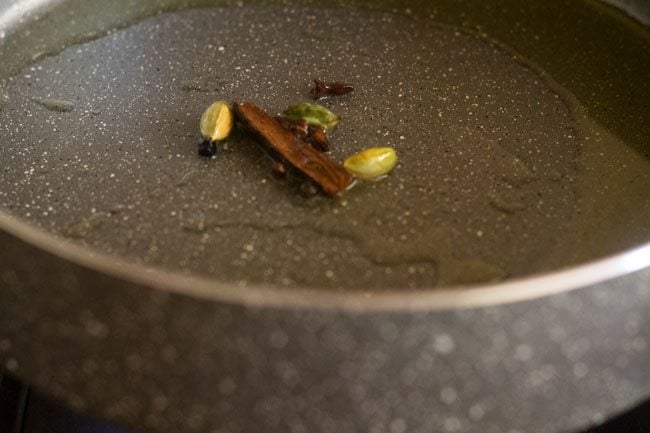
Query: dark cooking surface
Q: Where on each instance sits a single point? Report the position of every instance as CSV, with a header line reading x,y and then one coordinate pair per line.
x,y
128,352
497,175
24,411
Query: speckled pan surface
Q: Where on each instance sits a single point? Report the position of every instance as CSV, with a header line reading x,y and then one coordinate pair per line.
x,y
160,362
502,171
510,165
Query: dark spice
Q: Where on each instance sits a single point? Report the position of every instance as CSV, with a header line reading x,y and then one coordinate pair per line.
x,y
207,149
312,134
308,189
279,171
299,127
322,89
330,176
318,139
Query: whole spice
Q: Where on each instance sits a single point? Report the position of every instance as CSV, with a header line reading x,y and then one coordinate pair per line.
x,y
216,121
313,114
299,127
313,134
317,138
207,148
331,177
371,163
322,89
279,171
308,189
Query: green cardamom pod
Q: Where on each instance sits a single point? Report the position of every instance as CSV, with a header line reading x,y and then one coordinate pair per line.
x,y
216,121
313,114
371,163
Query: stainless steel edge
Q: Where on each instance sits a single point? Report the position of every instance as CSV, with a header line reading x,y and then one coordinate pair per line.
x,y
393,300
638,9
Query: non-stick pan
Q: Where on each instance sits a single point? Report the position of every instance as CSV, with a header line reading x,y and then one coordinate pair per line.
x,y
168,292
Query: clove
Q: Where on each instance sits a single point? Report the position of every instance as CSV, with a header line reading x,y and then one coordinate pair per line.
x,y
312,134
322,89
300,128
308,189
318,139
279,171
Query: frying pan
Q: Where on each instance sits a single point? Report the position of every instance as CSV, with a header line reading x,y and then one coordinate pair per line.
x,y
109,303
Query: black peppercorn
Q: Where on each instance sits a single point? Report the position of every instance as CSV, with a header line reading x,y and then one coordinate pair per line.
x,y
207,149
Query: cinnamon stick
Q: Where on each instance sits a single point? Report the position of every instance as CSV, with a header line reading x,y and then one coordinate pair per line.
x,y
329,175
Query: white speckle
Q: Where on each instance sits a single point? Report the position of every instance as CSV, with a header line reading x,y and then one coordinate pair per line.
x,y
329,274
633,325
580,370
195,421
448,395
11,364
77,402
227,386
597,418
112,175
389,331
134,362
523,353
278,339
639,344
443,344
5,345
452,424
169,354
540,376
159,403
89,366
476,412
398,425
95,328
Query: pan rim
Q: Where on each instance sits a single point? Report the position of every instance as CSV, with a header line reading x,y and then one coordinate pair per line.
x,y
522,289
398,299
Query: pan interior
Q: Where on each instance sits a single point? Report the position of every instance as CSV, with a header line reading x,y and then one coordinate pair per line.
x,y
503,172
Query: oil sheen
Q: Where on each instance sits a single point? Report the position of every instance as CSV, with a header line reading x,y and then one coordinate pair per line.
x,y
502,173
